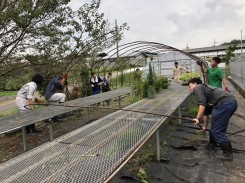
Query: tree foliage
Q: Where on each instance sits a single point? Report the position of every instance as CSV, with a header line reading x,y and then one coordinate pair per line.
x,y
229,53
151,76
232,42
49,37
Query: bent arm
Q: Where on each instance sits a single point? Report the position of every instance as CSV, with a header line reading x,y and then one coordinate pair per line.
x,y
224,82
201,109
205,120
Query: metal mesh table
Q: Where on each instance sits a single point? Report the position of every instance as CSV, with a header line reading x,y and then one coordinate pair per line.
x,y
23,119
94,152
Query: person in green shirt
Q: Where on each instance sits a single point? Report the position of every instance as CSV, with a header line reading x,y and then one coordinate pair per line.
x,y
216,75
215,78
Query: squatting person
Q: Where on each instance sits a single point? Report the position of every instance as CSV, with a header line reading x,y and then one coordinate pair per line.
x,y
56,84
222,106
25,97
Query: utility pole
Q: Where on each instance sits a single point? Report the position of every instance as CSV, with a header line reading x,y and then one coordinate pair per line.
x,y
215,42
241,41
116,28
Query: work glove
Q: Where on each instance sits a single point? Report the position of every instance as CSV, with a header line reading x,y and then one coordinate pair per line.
x,y
65,76
227,89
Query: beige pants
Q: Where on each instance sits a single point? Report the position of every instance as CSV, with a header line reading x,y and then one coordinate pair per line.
x,y
57,98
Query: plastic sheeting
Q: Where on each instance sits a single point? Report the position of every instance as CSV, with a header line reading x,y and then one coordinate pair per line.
x,y
187,160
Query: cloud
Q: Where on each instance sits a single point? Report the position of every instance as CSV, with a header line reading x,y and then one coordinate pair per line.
x,y
176,23
215,13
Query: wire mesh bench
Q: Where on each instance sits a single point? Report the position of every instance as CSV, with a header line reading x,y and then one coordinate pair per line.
x,y
21,120
97,151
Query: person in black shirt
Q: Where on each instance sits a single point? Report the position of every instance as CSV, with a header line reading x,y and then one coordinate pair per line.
x,y
221,105
55,84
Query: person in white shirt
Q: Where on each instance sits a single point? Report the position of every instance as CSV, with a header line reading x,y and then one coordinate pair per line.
x,y
177,71
25,97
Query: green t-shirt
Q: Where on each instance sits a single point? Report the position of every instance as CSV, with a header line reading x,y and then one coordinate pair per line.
x,y
215,77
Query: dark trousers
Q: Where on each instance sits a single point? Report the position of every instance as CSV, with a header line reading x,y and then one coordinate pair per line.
x,y
95,91
221,115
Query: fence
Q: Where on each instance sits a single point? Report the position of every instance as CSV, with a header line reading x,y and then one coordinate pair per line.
x,y
237,70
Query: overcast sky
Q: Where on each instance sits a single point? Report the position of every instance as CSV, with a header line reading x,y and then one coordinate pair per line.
x,y
177,22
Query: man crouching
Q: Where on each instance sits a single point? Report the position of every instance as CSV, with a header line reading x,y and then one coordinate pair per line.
x,y
222,106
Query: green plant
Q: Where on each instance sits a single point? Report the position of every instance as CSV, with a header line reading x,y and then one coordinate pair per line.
x,y
85,90
151,77
134,99
151,81
187,76
8,93
158,85
192,111
164,82
142,175
137,89
192,106
121,79
145,87
13,84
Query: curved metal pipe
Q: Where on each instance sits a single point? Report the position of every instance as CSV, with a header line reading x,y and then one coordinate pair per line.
x,y
160,47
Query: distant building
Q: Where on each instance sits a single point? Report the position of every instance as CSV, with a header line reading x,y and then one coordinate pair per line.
x,y
209,52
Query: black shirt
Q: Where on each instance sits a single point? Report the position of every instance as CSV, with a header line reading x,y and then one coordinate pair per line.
x,y
53,85
210,96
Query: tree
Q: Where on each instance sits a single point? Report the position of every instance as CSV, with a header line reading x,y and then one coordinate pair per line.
x,y
232,42
229,53
49,36
151,76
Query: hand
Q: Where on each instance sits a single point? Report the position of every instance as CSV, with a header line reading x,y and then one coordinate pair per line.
x,y
227,89
204,128
39,100
196,121
199,63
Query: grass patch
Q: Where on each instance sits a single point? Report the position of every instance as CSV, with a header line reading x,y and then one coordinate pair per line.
x,y
8,93
193,110
9,112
